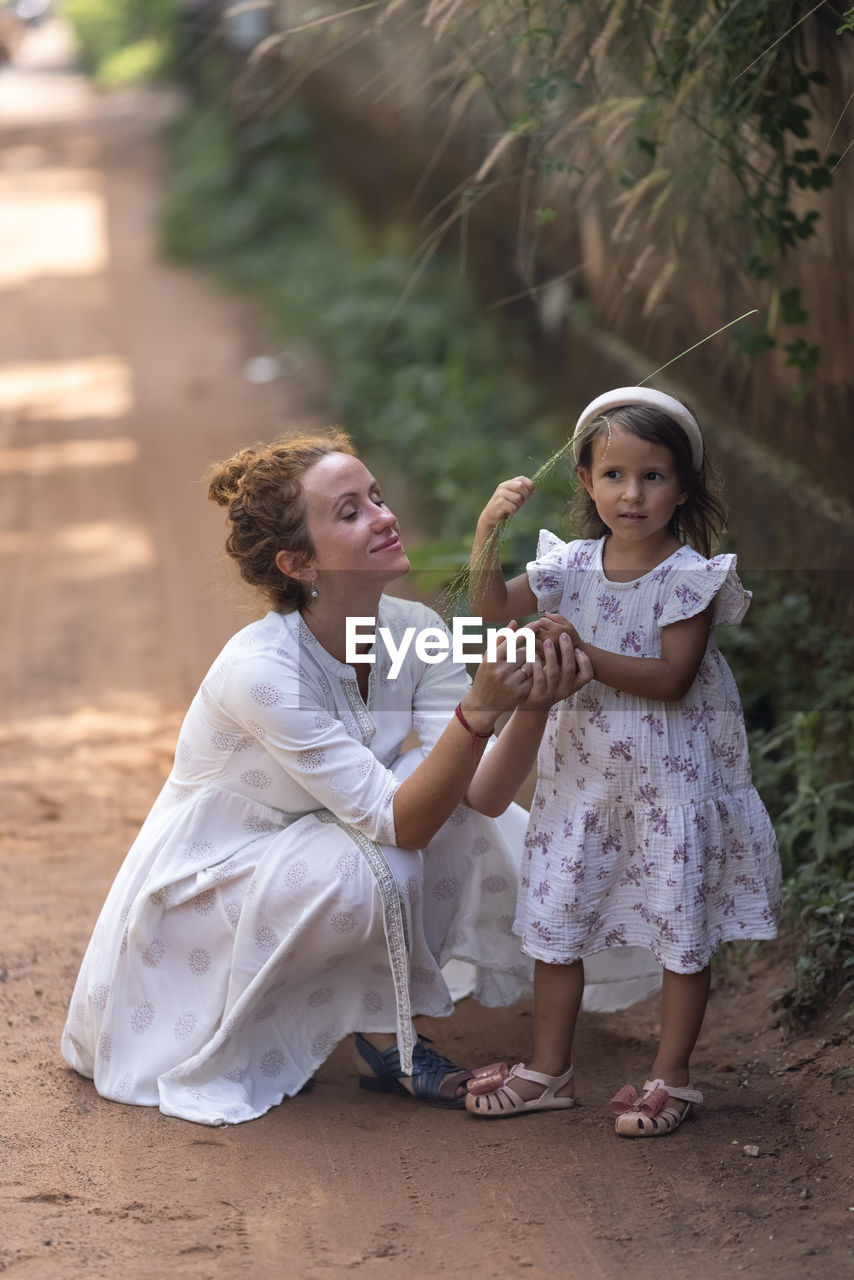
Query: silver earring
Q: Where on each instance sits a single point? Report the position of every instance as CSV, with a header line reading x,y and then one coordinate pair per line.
x,y
313,591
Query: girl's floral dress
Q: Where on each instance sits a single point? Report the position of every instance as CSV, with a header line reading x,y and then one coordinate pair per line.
x,y
645,828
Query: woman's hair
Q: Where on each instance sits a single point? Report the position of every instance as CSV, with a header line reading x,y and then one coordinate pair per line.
x,y
699,520
262,488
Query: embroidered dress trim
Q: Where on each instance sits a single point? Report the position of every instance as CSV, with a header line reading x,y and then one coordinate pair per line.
x,y
364,722
394,923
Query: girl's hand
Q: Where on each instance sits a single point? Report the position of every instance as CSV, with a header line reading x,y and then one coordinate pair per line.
x,y
509,497
557,677
551,626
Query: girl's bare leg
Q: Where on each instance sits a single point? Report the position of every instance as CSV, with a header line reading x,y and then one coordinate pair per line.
x,y
558,989
683,1007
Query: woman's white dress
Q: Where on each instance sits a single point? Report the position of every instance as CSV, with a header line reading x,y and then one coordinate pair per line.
x,y
645,828
264,911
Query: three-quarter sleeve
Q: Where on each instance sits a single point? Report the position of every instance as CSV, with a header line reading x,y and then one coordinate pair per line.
x,y
281,708
438,688
701,583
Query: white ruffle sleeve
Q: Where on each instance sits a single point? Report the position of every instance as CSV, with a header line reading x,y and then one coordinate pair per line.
x,y
692,588
546,574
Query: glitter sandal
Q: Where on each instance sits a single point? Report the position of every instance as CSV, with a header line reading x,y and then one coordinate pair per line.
x,y
505,1101
650,1116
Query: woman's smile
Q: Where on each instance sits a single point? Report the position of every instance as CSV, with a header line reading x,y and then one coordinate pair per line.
x,y
390,544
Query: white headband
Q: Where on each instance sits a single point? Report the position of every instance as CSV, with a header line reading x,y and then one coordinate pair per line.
x,y
656,400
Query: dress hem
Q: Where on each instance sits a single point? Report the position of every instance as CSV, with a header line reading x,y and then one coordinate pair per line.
x,y
636,940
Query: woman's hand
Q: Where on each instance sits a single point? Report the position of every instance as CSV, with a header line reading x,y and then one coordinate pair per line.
x,y
557,677
503,769
429,795
498,686
508,499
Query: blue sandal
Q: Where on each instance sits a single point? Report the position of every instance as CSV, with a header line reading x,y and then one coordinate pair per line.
x,y
435,1079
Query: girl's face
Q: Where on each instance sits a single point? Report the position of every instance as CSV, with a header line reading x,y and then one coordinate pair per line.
x,y
352,529
634,484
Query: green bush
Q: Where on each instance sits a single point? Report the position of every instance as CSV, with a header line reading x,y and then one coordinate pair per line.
x,y
795,671
118,39
419,376
138,63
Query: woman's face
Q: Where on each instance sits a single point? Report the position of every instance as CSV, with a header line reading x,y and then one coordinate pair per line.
x,y
351,528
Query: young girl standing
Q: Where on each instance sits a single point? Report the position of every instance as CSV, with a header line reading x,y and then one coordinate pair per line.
x,y
645,828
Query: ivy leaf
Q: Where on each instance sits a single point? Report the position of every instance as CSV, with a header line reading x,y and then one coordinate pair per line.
x,y
802,355
820,177
790,307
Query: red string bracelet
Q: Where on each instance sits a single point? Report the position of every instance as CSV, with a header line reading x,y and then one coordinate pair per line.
x,y
475,736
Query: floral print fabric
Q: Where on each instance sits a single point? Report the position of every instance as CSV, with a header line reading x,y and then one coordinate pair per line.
x,y
645,828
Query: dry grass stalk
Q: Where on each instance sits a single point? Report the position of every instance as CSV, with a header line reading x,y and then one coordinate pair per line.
x,y
498,150
659,285
445,11
632,198
459,105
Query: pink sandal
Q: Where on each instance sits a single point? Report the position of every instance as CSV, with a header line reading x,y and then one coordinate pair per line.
x,y
505,1101
650,1116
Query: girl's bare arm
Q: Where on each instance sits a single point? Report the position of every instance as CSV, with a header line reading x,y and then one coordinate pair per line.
x,y
664,679
490,596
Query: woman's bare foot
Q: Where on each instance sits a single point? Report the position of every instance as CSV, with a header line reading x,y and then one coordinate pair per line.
x,y
381,1041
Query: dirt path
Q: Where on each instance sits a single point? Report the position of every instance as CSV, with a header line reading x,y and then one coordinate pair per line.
x,y
120,379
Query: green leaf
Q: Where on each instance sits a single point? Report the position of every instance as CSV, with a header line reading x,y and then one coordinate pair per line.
x,y
791,310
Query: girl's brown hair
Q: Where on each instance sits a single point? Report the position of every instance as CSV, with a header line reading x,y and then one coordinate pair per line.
x,y
699,520
262,488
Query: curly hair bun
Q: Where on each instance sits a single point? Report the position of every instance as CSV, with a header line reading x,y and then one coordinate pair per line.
x,y
262,488
225,478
